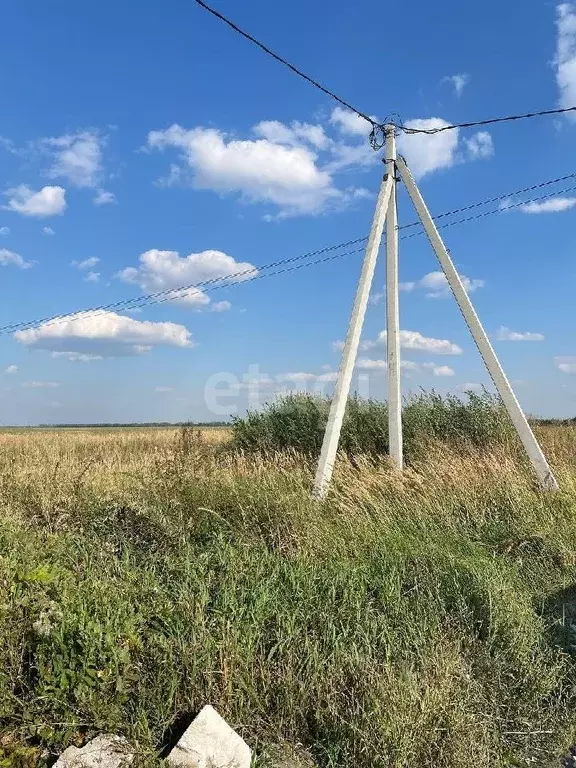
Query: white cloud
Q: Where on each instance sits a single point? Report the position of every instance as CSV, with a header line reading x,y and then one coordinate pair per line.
x,y
104,334
92,277
505,334
48,231
440,370
553,205
4,231
470,386
367,364
220,306
261,171
458,82
426,153
437,287
349,122
40,384
566,55
480,145
86,264
103,197
294,134
416,341
77,357
302,377
167,270
49,201
566,364
281,166
77,158
11,369
299,376
9,257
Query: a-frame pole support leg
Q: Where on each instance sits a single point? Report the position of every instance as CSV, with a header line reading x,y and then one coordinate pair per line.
x,y
541,467
342,389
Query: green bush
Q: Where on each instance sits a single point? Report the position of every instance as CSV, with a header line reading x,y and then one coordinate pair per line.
x,y
297,423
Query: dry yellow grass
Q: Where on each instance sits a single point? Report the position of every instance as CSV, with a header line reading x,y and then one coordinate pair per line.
x,y
409,620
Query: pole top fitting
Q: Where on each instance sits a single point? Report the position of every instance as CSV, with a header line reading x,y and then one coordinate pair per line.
x,y
392,124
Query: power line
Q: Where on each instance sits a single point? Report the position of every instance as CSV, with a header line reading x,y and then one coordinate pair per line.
x,y
259,272
170,293
377,133
488,121
496,199
500,209
181,292
286,63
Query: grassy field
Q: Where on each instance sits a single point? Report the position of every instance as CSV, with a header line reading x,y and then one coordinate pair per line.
x,y
407,622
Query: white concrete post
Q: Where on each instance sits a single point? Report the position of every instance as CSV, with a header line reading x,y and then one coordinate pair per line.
x,y
344,379
392,311
541,467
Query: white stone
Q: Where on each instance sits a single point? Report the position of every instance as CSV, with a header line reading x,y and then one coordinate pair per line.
x,y
209,742
105,751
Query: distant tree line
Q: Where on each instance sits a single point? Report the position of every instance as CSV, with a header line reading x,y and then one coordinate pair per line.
x,y
114,425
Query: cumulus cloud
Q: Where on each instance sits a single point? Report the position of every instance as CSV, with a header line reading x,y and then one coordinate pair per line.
x,y
349,122
4,231
9,257
436,286
102,197
566,364
505,334
86,264
566,55
480,145
11,369
297,166
49,201
426,153
458,82
289,165
259,170
553,205
220,306
167,271
368,364
439,370
48,231
77,157
92,277
103,334
416,341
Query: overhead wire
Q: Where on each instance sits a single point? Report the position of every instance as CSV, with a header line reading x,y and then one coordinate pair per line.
x,y
260,272
377,134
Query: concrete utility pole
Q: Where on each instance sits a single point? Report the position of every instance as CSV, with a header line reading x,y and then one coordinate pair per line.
x,y
386,211
392,311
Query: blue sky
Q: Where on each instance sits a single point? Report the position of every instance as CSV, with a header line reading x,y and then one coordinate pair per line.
x,y
146,150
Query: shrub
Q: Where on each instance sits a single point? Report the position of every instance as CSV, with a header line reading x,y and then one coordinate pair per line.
x,y
297,422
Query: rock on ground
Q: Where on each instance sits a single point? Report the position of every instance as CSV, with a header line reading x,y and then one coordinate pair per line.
x,y
209,742
105,751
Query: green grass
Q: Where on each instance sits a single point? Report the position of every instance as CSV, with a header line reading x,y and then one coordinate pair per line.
x,y
297,422
404,622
